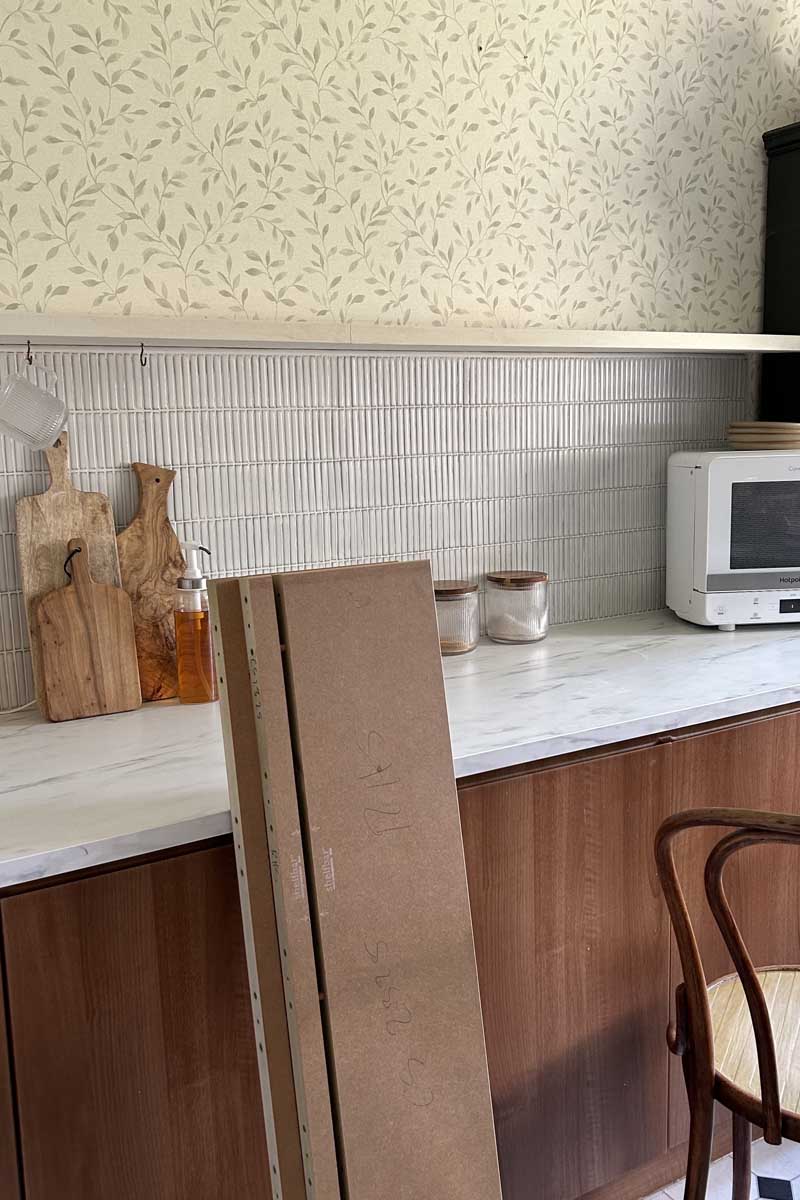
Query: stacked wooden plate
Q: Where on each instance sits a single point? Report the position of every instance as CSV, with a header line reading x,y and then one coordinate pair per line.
x,y
764,435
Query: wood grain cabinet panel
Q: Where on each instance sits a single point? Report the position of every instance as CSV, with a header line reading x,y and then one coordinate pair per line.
x,y
755,764
572,943
9,1159
133,1040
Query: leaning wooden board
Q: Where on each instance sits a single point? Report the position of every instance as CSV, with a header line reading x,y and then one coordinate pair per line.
x,y
290,891
394,932
151,562
88,651
265,970
45,525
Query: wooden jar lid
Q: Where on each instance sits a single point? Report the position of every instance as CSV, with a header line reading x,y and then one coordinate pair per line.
x,y
516,579
453,589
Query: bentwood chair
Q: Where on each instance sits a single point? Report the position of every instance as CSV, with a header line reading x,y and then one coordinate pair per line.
x,y
738,1037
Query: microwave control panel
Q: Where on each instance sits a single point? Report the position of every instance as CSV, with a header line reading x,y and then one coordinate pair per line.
x,y
727,609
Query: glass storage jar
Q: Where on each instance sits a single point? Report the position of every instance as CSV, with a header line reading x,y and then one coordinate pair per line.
x,y
457,615
516,606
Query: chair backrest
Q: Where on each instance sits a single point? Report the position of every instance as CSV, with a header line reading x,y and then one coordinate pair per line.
x,y
750,827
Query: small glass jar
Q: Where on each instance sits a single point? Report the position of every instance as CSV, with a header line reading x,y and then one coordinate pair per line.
x,y
516,606
457,615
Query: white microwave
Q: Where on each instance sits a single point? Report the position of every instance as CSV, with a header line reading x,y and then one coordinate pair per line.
x,y
733,537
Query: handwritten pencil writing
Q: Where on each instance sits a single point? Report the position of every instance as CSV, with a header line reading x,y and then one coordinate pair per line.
x,y
382,816
398,1019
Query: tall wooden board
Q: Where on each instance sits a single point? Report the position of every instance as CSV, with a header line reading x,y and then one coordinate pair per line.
x,y
151,562
258,746
255,891
289,874
390,898
45,525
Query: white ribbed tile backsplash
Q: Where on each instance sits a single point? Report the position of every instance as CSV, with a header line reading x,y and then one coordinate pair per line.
x,y
303,459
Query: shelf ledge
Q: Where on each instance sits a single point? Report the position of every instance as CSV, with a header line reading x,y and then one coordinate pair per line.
x,y
16,328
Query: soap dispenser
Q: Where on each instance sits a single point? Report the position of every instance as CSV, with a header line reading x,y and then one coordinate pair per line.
x,y
197,681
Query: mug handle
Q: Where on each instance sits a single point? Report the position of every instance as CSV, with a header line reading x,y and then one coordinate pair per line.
x,y
35,373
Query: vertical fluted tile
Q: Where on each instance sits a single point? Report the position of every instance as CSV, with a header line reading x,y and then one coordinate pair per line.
x,y
299,459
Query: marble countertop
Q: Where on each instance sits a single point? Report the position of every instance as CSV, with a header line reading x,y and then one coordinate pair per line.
x,y
80,793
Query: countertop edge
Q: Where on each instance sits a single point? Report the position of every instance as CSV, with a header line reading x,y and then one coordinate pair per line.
x,y
625,731
50,864
129,786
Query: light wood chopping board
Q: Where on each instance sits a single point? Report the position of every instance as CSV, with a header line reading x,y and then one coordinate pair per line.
x,y
151,563
88,650
45,525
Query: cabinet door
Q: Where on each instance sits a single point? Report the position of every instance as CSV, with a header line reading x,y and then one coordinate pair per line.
x,y
9,1161
752,765
133,1041
573,957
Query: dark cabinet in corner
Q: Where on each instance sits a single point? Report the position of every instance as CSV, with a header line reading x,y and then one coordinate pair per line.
x,y
134,1056
780,372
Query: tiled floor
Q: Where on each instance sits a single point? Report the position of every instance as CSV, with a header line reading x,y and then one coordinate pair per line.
x,y
776,1176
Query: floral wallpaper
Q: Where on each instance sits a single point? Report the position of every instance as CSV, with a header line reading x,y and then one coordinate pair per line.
x,y
586,163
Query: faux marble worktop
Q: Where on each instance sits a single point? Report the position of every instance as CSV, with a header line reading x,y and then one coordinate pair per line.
x,y
94,791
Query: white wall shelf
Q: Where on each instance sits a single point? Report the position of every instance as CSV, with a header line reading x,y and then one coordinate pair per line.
x,y
16,328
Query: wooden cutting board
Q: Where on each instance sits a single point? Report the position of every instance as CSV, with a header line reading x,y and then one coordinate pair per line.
x,y
760,426
151,563
764,443
88,650
45,525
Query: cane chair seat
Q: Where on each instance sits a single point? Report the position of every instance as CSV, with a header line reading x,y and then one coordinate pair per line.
x,y
735,1057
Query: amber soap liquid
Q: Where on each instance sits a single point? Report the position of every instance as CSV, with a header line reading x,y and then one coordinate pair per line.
x,y
197,681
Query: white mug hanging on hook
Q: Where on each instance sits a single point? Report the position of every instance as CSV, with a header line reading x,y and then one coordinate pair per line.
x,y
31,414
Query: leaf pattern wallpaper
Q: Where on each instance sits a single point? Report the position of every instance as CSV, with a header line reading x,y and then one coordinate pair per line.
x,y
576,163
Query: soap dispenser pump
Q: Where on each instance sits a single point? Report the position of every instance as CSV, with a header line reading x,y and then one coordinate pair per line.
x,y
197,681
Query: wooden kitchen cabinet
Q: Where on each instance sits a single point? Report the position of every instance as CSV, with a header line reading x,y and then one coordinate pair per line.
x,y
753,764
575,954
572,942
9,1162
132,1034
129,1067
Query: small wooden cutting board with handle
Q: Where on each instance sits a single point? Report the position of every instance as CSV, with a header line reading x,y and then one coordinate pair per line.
x,y
151,562
45,525
88,650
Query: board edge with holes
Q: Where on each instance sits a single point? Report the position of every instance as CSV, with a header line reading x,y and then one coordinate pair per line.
x,y
270,1029
290,889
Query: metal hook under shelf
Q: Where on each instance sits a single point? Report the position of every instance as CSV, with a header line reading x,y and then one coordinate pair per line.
x,y
29,354
142,355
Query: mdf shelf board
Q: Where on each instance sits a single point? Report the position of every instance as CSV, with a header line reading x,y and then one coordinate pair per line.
x,y
266,698
571,341
284,1146
375,773
86,330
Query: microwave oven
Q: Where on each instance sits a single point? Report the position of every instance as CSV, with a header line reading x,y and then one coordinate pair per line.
x,y
733,537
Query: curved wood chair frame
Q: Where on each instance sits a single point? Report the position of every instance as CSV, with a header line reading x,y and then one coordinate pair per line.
x,y
692,1037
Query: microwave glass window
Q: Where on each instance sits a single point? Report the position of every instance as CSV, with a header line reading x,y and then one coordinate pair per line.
x,y
765,525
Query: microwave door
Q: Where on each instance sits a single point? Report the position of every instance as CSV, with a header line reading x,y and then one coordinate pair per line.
x,y
765,525
762,537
